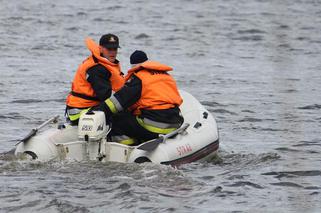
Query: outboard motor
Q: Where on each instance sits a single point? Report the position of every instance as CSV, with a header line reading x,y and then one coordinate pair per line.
x,y
92,128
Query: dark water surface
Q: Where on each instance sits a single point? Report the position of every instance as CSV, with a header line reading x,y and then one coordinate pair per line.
x,y
254,64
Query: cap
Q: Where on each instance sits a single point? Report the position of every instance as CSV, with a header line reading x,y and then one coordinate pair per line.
x,y
138,57
109,41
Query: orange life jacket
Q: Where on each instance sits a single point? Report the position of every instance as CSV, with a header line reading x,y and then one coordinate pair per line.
x,y
159,90
82,94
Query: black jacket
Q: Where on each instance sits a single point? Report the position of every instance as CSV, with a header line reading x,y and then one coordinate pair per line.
x,y
98,76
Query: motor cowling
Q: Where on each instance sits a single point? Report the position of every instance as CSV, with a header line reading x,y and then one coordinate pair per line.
x,y
92,126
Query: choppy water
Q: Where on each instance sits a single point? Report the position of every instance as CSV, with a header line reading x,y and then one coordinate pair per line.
x,y
255,64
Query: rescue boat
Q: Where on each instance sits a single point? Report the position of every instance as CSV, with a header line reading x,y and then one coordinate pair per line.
x,y
196,139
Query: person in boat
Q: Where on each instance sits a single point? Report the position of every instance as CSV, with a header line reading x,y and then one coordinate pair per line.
x,y
148,104
96,77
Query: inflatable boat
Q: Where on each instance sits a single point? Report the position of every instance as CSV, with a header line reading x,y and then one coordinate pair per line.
x,y
196,139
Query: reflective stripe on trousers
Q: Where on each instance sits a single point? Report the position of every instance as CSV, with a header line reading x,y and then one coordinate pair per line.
x,y
74,114
123,139
153,128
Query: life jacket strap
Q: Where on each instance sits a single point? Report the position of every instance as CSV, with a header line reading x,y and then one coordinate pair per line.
x,y
83,96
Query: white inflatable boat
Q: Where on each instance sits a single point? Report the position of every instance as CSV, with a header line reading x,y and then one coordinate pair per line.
x,y
196,139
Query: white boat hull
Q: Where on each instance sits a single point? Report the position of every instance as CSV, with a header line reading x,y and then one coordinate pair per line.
x,y
198,141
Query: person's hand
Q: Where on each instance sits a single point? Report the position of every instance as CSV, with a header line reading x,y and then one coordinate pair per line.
x,y
102,106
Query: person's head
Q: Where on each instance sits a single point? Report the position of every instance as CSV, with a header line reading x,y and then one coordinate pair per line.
x,y
138,57
109,45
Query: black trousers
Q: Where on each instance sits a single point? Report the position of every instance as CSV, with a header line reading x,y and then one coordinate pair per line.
x,y
125,123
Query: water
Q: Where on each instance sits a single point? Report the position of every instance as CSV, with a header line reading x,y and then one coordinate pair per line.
x,y
254,64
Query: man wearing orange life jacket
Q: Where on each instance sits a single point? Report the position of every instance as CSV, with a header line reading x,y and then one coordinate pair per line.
x,y
152,99
95,78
